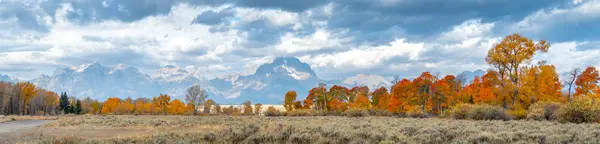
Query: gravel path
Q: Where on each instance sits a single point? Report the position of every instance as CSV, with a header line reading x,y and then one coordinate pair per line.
x,y
21,131
17,126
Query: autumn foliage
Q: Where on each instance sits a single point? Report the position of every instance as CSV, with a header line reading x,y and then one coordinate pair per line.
x,y
513,84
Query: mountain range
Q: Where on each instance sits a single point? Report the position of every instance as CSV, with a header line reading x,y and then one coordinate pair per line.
x,y
267,85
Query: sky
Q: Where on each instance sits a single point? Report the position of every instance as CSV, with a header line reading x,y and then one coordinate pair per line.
x,y
337,38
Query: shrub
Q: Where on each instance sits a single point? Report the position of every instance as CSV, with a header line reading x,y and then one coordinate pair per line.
x,y
271,111
416,112
380,113
478,112
355,113
579,110
543,111
488,112
518,113
301,113
460,111
326,113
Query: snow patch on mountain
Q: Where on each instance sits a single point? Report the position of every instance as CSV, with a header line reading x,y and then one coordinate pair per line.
x,y
371,81
170,73
298,75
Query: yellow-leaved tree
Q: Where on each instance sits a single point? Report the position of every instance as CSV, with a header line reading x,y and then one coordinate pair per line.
x,y
162,102
289,99
509,57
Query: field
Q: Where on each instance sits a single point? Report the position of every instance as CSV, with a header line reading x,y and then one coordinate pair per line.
x,y
259,129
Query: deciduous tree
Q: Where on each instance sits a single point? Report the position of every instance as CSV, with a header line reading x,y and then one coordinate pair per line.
x,y
587,82
162,102
247,108
208,104
510,55
177,107
195,97
289,99
110,105
257,108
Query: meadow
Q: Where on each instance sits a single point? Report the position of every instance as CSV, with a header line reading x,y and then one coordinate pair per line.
x,y
306,129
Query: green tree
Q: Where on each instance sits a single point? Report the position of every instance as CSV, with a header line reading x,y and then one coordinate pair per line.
x,y
78,108
64,102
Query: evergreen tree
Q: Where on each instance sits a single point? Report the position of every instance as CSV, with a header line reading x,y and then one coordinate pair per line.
x,y
78,107
64,102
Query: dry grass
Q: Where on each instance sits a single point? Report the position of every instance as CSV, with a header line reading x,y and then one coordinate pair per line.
x,y
15,117
319,129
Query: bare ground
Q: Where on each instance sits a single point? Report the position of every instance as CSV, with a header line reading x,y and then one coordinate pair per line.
x,y
24,130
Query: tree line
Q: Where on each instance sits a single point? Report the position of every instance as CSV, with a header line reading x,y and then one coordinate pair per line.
x,y
26,99
513,83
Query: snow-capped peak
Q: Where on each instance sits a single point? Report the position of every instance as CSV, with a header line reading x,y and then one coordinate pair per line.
x,y
84,67
372,81
298,75
286,67
172,73
230,77
117,68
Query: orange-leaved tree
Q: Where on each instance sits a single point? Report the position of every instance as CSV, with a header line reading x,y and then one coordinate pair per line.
x,y
587,82
162,102
110,105
177,107
361,102
379,98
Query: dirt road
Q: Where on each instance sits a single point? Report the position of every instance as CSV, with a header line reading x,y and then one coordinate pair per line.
x,y
15,131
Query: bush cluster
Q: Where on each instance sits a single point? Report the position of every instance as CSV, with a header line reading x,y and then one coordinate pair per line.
x,y
355,113
380,113
543,111
271,111
580,110
478,112
416,112
302,112
517,113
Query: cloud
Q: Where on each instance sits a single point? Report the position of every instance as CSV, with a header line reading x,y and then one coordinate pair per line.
x,y
576,21
338,38
212,18
320,39
568,55
288,5
469,29
90,11
427,17
367,56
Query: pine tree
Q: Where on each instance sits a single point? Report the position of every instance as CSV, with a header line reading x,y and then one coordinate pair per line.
x,y
64,102
78,107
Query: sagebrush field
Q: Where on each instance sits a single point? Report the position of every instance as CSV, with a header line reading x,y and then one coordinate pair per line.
x,y
312,129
